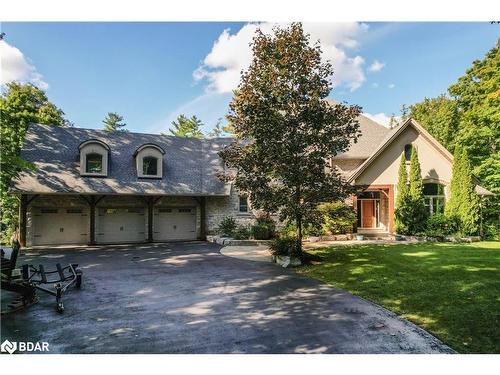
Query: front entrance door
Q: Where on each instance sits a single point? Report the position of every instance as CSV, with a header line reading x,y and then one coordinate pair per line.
x,y
368,213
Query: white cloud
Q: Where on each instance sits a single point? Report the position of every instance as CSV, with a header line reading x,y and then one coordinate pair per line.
x,y
374,85
15,67
231,54
382,118
391,85
376,66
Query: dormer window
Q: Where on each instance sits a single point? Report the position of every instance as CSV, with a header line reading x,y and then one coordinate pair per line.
x,y
150,166
149,161
94,163
94,158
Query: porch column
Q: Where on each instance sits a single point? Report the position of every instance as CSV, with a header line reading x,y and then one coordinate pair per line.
x,y
391,208
23,208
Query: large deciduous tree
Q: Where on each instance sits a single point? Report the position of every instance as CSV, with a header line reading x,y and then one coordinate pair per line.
x,y
286,131
20,105
187,127
113,122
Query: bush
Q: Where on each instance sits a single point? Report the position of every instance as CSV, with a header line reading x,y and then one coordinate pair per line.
x,y
242,232
263,229
285,246
491,231
227,227
439,226
338,217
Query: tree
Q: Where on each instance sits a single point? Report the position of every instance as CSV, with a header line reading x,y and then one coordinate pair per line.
x,y
464,202
187,127
440,117
402,201
113,122
219,130
20,105
286,130
417,213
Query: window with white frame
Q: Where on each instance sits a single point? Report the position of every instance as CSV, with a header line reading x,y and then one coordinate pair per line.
x,y
434,198
149,161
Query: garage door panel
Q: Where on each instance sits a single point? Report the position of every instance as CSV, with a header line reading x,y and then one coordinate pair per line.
x,y
121,225
175,223
59,226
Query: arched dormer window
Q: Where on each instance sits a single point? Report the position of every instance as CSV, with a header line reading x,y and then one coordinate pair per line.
x,y
94,158
149,161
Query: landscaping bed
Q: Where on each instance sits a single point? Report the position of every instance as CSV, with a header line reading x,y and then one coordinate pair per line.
x,y
451,290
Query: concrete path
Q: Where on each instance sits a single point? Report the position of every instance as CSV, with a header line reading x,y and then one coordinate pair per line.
x,y
188,298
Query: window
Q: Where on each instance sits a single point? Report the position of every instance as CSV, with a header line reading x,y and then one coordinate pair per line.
x,y
408,149
93,163
434,198
150,166
243,206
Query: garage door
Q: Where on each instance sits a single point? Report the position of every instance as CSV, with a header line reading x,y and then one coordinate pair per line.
x,y
60,226
173,223
120,225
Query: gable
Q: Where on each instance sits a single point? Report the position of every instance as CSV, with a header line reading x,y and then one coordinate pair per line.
x,y
382,167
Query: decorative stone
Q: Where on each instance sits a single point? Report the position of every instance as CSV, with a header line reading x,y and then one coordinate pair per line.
x,y
286,261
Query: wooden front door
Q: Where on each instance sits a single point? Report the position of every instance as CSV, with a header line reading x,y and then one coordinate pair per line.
x,y
368,213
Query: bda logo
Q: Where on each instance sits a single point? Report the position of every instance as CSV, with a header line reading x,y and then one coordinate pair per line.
x,y
8,346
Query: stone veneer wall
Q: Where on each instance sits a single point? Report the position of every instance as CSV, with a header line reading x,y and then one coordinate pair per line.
x,y
220,207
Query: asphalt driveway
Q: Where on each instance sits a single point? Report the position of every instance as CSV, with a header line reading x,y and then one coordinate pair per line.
x,y
188,298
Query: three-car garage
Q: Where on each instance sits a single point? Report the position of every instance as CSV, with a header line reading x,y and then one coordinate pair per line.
x,y
70,225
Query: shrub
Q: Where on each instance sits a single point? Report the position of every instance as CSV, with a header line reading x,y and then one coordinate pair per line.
x,y
338,217
440,225
227,227
263,229
285,246
242,232
491,231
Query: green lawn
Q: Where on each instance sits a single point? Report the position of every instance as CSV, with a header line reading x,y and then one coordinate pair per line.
x,y
451,290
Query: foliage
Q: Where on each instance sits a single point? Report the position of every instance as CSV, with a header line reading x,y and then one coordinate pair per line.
x,y
417,214
440,225
402,199
227,227
263,229
463,202
286,130
338,217
410,212
440,117
285,246
451,290
476,97
219,130
113,122
242,232
20,105
187,127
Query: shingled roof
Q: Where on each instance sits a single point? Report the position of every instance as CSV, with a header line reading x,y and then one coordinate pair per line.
x,y
190,166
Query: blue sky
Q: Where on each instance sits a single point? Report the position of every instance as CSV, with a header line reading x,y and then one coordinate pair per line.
x,y
151,72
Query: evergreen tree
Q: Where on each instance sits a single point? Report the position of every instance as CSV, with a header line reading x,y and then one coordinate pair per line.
x,y
453,204
114,123
187,127
417,213
401,205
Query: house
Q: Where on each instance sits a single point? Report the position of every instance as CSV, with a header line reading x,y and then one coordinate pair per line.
x,y
93,187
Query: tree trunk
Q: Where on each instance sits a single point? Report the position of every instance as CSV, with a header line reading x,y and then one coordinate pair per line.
x,y
298,219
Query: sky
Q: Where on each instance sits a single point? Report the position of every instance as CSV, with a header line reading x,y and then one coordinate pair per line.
x,y
152,72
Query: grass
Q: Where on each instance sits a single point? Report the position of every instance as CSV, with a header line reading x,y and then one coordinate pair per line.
x,y
451,290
